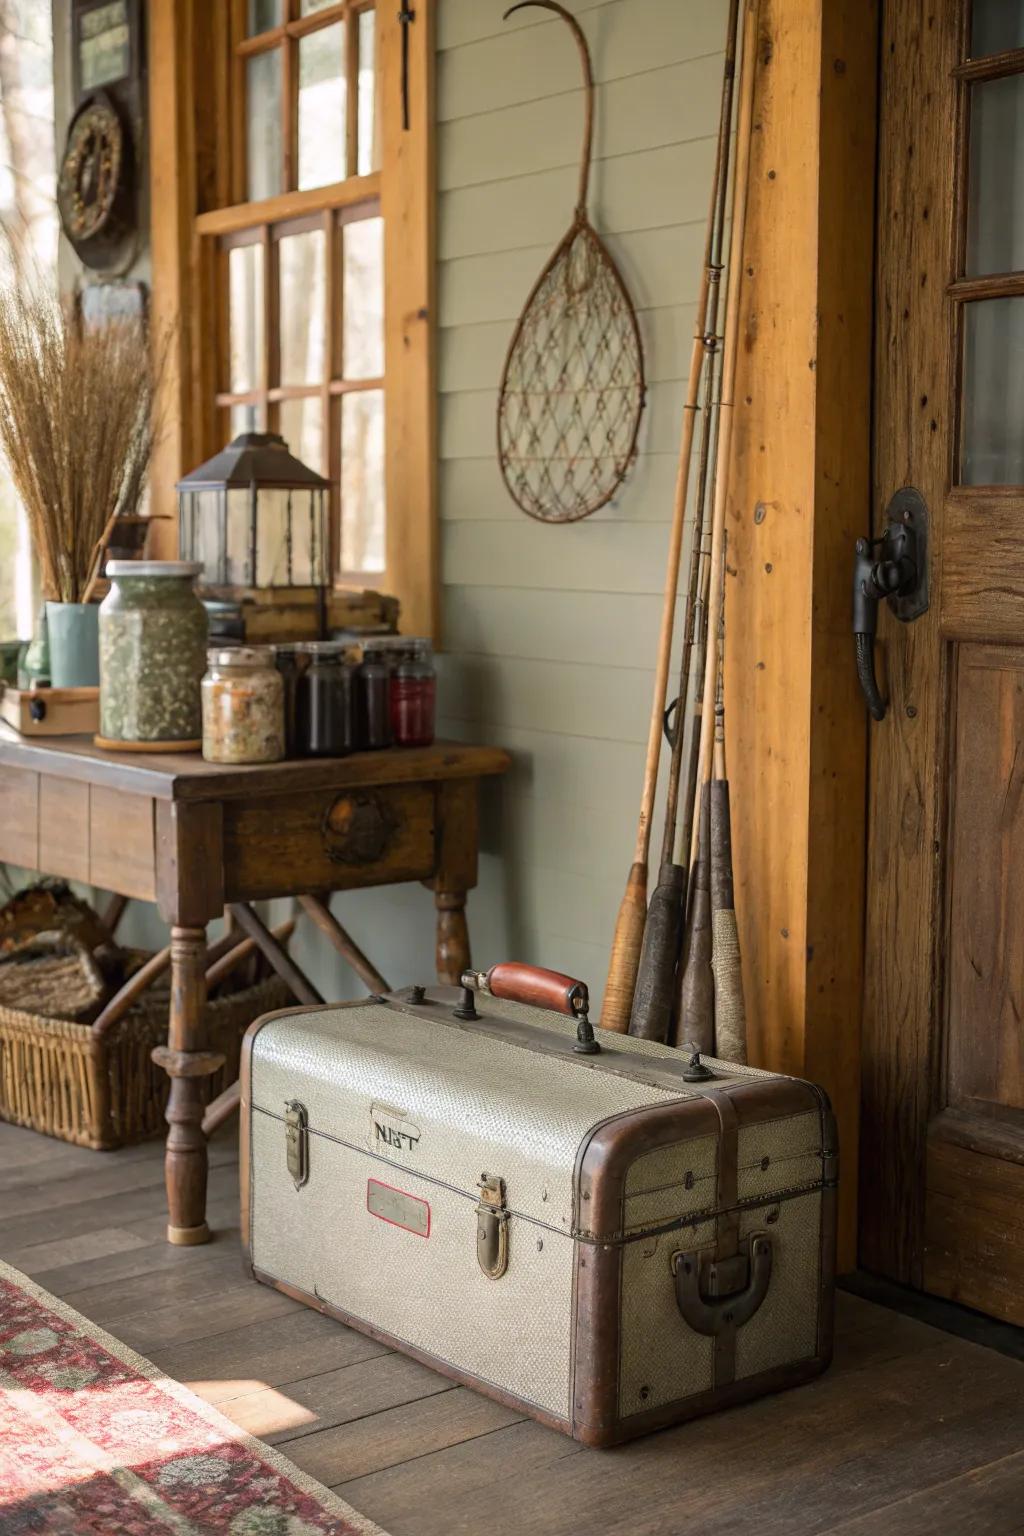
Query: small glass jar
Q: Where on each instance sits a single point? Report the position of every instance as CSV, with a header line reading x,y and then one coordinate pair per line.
x,y
373,694
152,648
243,706
291,661
324,702
413,696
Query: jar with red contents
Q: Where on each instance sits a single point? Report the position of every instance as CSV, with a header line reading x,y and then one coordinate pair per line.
x,y
413,696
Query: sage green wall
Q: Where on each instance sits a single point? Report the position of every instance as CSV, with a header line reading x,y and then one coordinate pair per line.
x,y
550,631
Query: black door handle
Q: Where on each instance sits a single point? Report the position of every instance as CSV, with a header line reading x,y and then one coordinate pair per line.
x,y
892,567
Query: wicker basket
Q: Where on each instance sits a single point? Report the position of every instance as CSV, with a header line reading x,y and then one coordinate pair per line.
x,y
100,1089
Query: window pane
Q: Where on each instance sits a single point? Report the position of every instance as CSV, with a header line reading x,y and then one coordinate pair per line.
x,y
362,481
246,418
302,427
264,14
302,279
993,393
363,290
245,317
263,124
322,106
368,156
995,26
309,7
995,202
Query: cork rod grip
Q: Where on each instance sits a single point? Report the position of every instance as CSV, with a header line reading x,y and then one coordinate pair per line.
x,y
537,988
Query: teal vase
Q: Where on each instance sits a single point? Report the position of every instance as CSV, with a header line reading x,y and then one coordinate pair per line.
x,y
74,634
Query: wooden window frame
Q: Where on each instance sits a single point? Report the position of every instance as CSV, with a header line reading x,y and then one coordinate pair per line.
x,y
195,171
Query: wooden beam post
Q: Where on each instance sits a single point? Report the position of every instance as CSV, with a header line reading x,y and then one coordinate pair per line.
x,y
800,495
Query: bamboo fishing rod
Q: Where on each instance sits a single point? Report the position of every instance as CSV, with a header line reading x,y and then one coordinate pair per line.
x,y
695,1003
628,938
725,409
651,1014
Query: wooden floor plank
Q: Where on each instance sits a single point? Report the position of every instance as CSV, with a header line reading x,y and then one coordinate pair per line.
x,y
282,1415
291,1348
398,1435
912,1432
987,1501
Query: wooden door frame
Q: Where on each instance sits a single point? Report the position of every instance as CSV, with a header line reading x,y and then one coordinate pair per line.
x,y
800,494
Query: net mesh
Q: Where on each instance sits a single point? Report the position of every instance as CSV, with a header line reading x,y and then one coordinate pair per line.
x,y
573,389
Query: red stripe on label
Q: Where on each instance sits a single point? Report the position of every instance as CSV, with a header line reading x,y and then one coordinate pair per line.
x,y
398,1208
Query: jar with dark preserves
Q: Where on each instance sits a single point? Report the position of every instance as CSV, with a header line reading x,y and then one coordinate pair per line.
x,y
324,702
413,696
373,694
291,661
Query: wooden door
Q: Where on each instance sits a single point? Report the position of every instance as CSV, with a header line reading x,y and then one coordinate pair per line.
x,y
942,1192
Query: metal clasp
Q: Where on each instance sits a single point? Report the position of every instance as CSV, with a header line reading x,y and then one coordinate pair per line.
x,y
492,1227
296,1140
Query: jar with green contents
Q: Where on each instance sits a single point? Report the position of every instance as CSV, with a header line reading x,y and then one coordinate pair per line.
x,y
152,655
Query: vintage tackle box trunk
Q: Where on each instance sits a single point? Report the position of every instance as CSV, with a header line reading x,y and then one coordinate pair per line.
x,y
603,1239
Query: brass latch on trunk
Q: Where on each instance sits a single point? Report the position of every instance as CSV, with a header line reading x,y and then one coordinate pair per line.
x,y
492,1227
296,1140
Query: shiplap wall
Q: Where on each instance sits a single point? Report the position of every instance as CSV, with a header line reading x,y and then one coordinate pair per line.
x,y
550,632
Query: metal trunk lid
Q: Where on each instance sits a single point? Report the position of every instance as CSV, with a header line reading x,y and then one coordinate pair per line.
x,y
413,1088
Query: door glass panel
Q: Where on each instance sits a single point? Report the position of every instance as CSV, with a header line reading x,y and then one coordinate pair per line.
x,y
363,289
995,202
322,106
302,427
264,153
303,304
362,481
368,156
996,25
245,318
993,393
262,15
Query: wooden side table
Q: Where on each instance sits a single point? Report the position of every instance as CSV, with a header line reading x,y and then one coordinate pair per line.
x,y
197,838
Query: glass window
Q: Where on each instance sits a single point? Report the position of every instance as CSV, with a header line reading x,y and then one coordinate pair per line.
x,y
363,289
996,26
263,138
362,481
302,278
310,7
993,393
369,157
302,427
322,116
245,317
995,193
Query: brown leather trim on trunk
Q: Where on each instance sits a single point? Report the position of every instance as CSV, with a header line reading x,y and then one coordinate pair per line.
x,y
443,1367
727,1228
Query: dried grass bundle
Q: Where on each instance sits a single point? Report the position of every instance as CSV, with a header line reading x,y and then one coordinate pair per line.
x,y
76,424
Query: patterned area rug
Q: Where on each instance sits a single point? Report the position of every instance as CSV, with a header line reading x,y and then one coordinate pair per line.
x,y
95,1441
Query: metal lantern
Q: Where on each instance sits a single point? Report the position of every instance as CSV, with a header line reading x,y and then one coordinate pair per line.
x,y
255,517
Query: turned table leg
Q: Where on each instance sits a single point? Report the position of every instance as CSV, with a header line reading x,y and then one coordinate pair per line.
x,y
452,936
187,1063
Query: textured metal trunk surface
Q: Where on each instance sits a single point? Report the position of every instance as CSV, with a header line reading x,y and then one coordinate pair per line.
x,y
612,1158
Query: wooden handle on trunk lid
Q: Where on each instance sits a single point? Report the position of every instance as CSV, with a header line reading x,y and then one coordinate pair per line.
x,y
537,988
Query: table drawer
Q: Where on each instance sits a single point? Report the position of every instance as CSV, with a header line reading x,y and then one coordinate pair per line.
x,y
282,845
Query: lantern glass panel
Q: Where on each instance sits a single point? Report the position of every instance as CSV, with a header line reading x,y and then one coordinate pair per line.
x,y
202,534
239,539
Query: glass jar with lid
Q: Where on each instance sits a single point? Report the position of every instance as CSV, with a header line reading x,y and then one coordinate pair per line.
x,y
324,702
243,706
413,695
373,692
152,653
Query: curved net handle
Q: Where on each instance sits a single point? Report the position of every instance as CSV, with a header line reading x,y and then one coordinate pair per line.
x,y
588,85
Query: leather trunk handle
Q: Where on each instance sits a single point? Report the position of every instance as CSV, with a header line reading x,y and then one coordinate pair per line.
x,y
537,988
